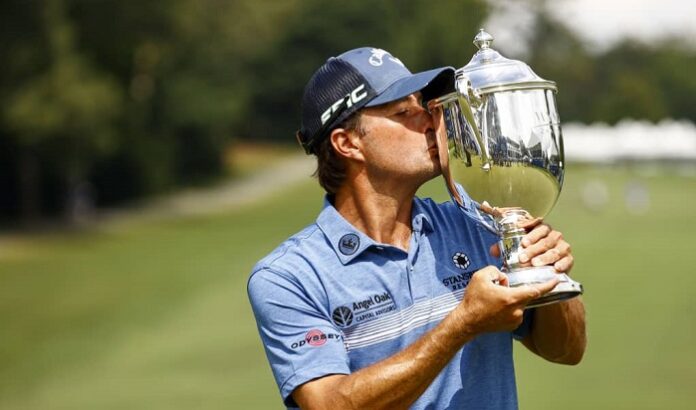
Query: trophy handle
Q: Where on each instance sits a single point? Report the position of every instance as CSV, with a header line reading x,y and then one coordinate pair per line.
x,y
435,109
461,101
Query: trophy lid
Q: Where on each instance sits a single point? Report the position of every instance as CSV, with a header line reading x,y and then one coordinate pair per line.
x,y
488,71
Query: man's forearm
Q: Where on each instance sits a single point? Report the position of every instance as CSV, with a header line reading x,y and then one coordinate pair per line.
x,y
558,332
399,380
396,382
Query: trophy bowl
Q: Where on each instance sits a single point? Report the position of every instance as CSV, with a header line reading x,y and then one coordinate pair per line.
x,y
499,137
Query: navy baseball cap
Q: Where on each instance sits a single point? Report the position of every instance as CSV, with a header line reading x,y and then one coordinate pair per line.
x,y
363,77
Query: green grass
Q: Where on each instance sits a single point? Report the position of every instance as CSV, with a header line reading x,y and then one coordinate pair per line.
x,y
640,281
242,159
156,315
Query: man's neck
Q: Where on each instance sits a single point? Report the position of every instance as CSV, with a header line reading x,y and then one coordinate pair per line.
x,y
384,217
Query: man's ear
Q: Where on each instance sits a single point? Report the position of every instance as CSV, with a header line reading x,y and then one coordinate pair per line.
x,y
347,144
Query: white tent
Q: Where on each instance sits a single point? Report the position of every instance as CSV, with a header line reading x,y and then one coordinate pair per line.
x,y
630,140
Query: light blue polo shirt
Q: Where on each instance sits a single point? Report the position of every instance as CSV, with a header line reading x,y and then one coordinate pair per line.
x,y
330,300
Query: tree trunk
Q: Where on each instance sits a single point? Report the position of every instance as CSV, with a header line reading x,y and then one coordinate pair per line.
x,y
29,188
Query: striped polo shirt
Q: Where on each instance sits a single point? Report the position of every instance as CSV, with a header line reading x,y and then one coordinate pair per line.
x,y
330,300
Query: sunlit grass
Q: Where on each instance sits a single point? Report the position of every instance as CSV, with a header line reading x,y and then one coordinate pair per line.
x,y
243,158
156,315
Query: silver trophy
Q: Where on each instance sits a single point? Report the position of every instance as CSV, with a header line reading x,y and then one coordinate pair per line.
x,y
499,136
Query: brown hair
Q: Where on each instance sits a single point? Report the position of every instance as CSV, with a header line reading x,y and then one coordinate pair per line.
x,y
331,168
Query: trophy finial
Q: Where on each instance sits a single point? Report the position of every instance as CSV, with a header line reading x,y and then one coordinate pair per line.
x,y
483,40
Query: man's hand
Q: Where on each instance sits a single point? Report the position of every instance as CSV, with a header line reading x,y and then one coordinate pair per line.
x,y
545,246
489,305
542,246
558,332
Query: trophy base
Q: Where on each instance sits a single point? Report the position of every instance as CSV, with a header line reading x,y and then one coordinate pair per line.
x,y
566,289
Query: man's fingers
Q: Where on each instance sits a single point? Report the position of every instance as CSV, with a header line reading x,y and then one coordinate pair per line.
x,y
527,293
547,258
552,240
492,274
503,280
546,287
551,254
530,223
564,264
536,234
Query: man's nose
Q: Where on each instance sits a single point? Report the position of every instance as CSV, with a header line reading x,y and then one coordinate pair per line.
x,y
426,121
435,115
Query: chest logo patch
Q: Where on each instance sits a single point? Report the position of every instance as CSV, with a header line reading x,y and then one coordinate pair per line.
x,y
342,316
349,244
461,260
363,310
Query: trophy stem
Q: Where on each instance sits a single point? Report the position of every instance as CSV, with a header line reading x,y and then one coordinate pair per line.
x,y
511,246
511,235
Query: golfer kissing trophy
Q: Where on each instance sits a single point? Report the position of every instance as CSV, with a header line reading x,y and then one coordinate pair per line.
x,y
499,136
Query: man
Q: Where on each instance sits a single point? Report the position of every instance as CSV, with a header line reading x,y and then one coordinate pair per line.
x,y
389,300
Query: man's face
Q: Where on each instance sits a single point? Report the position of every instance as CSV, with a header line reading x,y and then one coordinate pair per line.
x,y
400,141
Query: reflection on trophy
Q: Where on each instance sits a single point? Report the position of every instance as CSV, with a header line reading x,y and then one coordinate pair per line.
x,y
499,136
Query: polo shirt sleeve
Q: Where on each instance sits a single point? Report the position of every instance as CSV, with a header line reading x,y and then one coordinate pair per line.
x,y
301,342
526,327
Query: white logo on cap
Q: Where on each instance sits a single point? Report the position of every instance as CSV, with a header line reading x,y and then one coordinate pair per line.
x,y
349,99
377,57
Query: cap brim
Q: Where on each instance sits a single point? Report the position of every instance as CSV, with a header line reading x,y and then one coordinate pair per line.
x,y
434,83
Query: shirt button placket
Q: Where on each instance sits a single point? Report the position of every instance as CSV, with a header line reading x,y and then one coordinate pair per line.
x,y
418,291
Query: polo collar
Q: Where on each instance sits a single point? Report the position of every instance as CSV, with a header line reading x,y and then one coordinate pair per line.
x,y
420,221
468,204
348,242
473,209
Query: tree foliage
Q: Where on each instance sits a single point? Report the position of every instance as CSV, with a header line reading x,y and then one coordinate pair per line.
x,y
129,98
629,80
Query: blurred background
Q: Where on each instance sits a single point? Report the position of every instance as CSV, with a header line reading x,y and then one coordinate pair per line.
x,y
148,160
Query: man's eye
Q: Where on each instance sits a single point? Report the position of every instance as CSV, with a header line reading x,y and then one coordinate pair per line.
x,y
403,112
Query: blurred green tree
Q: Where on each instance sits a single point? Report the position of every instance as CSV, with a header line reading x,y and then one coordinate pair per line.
x,y
423,34
628,80
132,98
64,113
186,66
556,53
646,81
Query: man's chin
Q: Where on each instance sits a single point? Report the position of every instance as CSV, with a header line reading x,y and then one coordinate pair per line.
x,y
436,172
437,169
